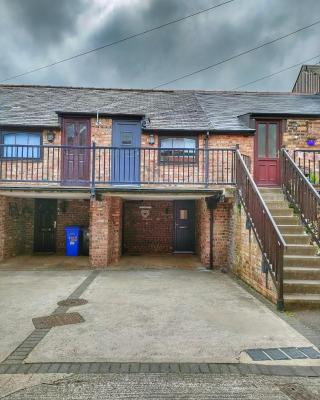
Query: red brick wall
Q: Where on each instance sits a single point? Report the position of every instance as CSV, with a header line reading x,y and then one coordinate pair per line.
x,y
16,226
105,231
221,233
245,256
149,234
70,212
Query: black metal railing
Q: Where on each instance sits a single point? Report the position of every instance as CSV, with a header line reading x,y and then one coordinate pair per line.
x,y
301,193
269,238
101,165
308,160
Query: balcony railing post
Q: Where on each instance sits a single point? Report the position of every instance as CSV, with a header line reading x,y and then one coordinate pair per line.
x,y
93,171
206,159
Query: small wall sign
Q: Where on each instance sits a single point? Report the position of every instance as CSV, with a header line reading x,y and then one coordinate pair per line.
x,y
145,211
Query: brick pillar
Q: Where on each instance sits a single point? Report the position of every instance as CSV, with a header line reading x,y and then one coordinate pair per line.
x,y
105,231
221,233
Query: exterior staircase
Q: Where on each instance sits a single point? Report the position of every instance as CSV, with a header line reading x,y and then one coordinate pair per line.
x,y
301,264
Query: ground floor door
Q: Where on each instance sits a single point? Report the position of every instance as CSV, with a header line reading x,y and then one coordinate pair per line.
x,y
126,137
184,222
267,152
45,225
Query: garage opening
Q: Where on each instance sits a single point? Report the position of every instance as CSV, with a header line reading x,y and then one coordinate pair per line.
x,y
34,232
159,233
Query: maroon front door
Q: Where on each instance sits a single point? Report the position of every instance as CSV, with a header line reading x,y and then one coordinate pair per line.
x,y
267,151
75,157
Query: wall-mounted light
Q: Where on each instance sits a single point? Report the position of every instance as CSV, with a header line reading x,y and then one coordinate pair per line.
x,y
151,138
50,136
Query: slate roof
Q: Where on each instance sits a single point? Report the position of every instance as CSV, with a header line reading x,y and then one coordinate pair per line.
x,y
167,109
224,108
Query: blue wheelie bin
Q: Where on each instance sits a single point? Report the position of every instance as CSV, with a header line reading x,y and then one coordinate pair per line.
x,y
72,240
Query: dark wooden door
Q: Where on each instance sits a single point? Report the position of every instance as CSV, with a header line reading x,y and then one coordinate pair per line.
x,y
184,226
267,151
45,225
126,137
76,155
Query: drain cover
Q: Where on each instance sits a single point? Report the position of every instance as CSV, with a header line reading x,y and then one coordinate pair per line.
x,y
72,302
297,392
57,320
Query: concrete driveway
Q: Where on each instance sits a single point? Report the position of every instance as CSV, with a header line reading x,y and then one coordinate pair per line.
x,y
29,294
142,315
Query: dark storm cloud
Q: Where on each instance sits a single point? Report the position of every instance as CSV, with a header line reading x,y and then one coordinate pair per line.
x,y
37,32
45,21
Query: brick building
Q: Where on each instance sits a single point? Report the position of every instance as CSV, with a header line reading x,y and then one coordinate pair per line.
x,y
148,172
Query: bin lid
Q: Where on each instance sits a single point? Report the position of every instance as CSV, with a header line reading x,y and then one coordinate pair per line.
x,y
72,228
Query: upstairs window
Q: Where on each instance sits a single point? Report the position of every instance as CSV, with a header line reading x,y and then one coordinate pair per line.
x,y
178,149
21,145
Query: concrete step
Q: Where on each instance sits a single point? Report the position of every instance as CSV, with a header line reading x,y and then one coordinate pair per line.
x,y
286,212
264,189
286,220
301,261
273,197
291,229
301,286
277,204
301,250
301,273
293,301
296,239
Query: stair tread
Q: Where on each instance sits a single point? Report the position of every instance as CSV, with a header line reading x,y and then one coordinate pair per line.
x,y
302,296
302,269
300,245
294,235
302,281
289,256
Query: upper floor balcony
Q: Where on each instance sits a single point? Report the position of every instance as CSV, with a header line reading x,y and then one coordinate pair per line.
x,y
102,167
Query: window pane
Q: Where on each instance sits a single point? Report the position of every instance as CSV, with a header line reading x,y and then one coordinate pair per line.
x,y
18,142
166,143
190,143
82,134
183,149
9,138
262,140
126,138
178,143
183,214
272,141
71,133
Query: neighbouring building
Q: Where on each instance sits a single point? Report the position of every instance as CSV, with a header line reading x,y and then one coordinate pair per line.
x,y
308,80
157,172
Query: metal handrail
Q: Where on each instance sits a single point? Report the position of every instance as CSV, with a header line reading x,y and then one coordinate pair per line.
x,y
266,231
302,194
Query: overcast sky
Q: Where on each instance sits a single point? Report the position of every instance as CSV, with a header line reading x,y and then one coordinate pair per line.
x,y
37,32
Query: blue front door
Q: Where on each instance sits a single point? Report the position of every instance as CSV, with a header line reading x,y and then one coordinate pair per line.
x,y
126,136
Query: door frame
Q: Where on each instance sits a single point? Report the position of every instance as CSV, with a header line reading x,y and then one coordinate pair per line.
x,y
193,202
71,119
279,122
36,219
113,144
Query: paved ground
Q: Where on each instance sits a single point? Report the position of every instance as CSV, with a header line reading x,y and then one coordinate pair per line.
x,y
155,386
24,295
185,261
44,262
311,319
161,315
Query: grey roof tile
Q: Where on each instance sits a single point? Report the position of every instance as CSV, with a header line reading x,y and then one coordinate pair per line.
x,y
170,110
